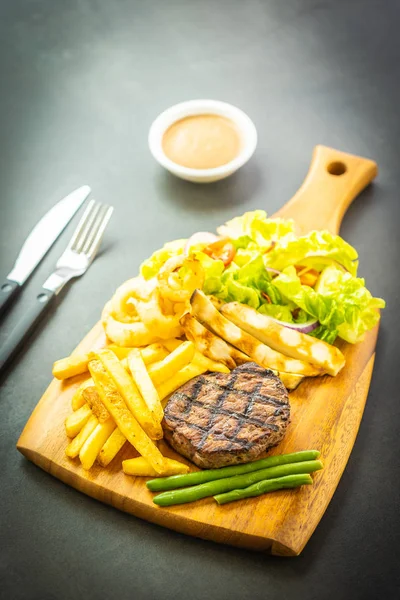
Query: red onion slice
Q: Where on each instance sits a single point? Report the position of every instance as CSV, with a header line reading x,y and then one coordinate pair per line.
x,y
301,327
201,237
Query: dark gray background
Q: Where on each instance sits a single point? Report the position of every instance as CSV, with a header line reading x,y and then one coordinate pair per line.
x,y
81,82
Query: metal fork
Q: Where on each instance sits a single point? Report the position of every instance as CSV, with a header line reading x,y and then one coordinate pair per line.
x,y
74,261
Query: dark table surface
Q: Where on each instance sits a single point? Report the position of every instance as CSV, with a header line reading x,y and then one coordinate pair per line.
x,y
81,81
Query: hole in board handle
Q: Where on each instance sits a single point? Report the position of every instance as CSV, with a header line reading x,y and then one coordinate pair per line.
x,y
336,168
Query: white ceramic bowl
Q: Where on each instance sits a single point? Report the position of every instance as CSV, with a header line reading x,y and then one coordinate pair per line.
x,y
245,126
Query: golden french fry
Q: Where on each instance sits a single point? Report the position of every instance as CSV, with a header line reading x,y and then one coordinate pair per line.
x,y
75,446
129,392
119,351
122,416
111,448
210,365
143,381
77,399
94,443
173,383
141,467
92,398
150,354
75,422
153,353
172,344
174,362
70,366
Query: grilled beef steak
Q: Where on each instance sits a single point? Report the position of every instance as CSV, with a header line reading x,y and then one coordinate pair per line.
x,y
220,419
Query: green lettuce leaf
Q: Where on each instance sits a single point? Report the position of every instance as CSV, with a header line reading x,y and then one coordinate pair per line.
x,y
245,284
324,334
213,270
254,227
340,302
277,311
315,248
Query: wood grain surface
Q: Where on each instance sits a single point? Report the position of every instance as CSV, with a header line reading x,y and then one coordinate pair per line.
x,y
326,412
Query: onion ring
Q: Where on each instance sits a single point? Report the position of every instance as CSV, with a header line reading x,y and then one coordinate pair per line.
x,y
170,284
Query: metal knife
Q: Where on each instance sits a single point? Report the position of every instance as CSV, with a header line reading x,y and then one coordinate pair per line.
x,y
39,241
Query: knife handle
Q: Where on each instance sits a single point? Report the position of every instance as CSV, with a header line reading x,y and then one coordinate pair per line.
x,y
21,332
8,291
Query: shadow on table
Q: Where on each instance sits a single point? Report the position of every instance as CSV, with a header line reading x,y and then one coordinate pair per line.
x,y
235,190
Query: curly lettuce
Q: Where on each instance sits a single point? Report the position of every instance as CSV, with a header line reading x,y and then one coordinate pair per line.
x,y
254,228
266,274
313,249
341,302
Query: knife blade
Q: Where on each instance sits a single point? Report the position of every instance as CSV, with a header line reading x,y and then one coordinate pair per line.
x,y
39,241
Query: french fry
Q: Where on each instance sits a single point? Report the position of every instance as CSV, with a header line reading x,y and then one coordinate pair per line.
x,y
208,315
122,416
143,381
70,366
173,383
111,448
94,443
174,362
150,354
171,344
75,422
129,392
119,351
75,446
210,365
77,399
141,467
92,398
153,353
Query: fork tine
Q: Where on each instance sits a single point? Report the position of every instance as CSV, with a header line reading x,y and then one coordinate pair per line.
x,y
94,228
100,232
81,224
86,230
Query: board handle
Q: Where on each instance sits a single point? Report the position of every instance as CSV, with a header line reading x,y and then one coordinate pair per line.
x,y
333,181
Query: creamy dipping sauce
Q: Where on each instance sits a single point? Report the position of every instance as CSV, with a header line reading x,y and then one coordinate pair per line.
x,y
202,141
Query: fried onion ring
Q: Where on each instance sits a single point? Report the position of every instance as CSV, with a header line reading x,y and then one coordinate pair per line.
x,y
152,315
128,334
175,286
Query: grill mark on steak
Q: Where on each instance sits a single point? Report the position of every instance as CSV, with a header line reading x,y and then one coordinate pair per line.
x,y
218,419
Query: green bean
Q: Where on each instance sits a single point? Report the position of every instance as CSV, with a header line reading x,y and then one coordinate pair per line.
x,y
176,481
263,487
219,486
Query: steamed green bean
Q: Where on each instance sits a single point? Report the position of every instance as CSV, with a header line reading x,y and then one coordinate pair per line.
x,y
162,484
219,486
263,487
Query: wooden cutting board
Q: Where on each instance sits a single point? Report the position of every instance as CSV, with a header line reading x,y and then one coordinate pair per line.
x,y
326,412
